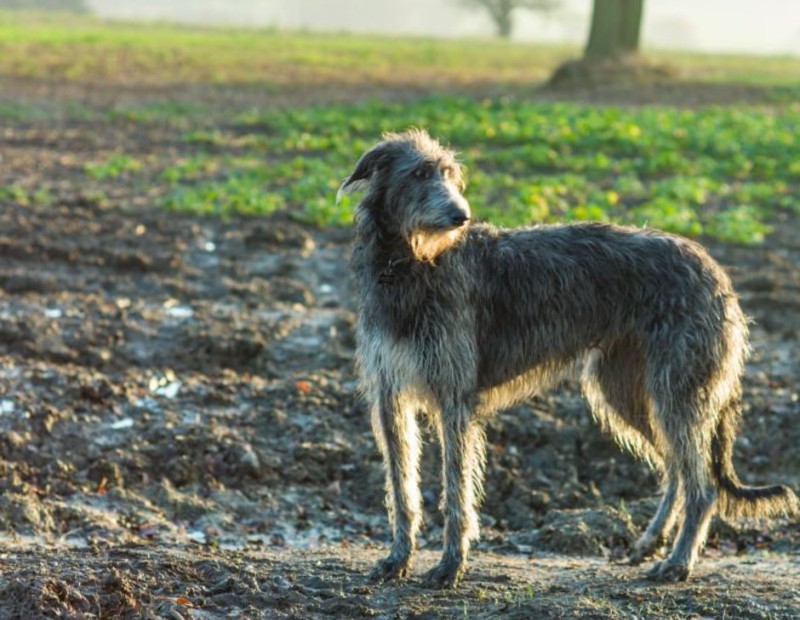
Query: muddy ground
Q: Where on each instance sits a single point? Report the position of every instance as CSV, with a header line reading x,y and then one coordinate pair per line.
x,y
181,436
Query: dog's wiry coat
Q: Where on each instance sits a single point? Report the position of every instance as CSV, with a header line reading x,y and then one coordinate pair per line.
x,y
458,321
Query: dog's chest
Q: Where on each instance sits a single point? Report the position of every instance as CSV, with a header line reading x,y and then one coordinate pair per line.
x,y
409,309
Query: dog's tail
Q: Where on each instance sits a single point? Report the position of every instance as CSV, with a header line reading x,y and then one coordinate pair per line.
x,y
736,499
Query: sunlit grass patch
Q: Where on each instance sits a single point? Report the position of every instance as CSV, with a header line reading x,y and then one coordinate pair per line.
x,y
714,171
192,168
25,197
235,195
711,171
114,166
86,49
740,224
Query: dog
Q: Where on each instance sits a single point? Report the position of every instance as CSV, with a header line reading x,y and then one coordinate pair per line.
x,y
458,320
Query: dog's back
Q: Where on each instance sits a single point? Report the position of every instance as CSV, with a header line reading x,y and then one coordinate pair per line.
x,y
565,289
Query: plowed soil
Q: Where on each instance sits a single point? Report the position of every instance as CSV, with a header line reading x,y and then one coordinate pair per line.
x,y
182,438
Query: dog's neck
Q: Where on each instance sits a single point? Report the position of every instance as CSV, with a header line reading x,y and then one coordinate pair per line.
x,y
386,253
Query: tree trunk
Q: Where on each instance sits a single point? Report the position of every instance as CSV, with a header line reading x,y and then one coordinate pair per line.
x,y
501,15
504,26
615,29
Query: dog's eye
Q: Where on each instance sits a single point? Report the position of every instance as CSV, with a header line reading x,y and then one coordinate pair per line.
x,y
423,172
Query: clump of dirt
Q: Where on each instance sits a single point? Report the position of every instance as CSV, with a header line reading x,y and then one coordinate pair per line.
x,y
630,69
590,531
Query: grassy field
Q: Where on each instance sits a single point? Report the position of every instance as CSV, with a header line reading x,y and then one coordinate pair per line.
x,y
67,47
715,171
78,48
718,171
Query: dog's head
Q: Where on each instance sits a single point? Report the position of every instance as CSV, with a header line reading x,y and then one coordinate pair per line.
x,y
414,190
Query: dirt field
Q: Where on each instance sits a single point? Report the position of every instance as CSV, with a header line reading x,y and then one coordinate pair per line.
x,y
181,436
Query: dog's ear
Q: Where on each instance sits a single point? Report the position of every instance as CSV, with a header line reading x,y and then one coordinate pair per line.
x,y
378,156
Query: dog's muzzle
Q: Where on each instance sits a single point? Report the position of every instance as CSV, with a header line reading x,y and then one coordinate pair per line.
x,y
457,217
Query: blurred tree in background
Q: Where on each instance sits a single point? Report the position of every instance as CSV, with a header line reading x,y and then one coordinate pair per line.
x,y
65,6
502,11
616,25
612,51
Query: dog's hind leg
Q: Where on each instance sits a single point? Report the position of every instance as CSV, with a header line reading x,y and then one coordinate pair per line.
x,y
660,525
463,458
614,382
689,446
396,431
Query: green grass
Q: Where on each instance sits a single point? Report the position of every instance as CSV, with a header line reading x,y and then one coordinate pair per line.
x,y
716,171
84,49
79,48
40,197
721,172
113,167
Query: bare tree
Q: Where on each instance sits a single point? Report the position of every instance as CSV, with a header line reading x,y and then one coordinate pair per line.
x,y
502,11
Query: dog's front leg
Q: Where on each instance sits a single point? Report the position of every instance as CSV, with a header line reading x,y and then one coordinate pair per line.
x,y
462,468
395,426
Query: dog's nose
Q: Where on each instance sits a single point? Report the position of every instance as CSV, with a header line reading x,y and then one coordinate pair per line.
x,y
458,217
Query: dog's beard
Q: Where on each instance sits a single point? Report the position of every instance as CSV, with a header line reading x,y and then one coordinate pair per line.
x,y
427,245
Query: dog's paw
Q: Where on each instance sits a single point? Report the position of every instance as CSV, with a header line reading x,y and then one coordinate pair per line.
x,y
388,569
667,571
636,556
642,551
646,547
446,574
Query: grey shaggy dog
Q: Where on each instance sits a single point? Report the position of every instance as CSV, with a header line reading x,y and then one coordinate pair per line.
x,y
460,320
